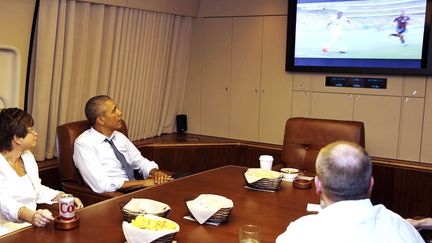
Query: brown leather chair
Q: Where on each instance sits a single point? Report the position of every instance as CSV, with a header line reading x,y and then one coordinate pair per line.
x,y
304,137
70,177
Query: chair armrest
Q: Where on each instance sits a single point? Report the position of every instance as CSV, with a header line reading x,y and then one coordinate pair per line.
x,y
86,194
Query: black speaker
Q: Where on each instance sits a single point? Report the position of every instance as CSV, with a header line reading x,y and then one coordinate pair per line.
x,y
181,121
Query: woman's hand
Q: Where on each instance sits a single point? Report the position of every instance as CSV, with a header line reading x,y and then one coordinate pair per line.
x,y
41,218
78,203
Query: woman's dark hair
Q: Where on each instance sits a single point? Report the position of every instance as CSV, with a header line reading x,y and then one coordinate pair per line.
x,y
13,122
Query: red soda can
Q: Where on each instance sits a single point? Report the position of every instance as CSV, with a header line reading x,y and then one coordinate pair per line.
x,y
67,207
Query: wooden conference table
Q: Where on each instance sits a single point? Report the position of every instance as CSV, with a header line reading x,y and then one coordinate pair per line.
x,y
271,211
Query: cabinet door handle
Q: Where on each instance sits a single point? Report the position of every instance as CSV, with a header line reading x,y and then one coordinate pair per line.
x,y
407,99
263,91
350,96
414,92
226,89
358,97
256,91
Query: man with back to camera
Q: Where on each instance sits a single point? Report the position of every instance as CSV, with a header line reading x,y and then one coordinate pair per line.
x,y
105,157
344,182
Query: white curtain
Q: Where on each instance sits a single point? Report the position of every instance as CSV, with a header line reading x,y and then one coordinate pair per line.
x,y
137,57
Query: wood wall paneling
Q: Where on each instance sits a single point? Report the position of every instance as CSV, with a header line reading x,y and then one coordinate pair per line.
x,y
249,155
404,187
48,172
193,158
403,190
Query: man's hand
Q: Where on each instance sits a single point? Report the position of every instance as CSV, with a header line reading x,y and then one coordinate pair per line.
x,y
159,177
419,224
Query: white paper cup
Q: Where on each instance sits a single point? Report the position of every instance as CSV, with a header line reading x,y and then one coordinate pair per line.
x,y
266,162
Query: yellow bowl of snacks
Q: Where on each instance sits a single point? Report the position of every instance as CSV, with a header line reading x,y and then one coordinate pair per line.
x,y
150,228
290,173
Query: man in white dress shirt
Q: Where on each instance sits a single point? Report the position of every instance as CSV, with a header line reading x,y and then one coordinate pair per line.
x,y
344,182
96,159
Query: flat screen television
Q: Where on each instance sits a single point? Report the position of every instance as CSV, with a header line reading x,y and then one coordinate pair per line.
x,y
360,36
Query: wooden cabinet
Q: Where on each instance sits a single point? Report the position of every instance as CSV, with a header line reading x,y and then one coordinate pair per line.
x,y
411,123
215,75
411,129
238,82
332,106
260,86
393,117
276,83
426,145
380,115
380,127
245,78
301,104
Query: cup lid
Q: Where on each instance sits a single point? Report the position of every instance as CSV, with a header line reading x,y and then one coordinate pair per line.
x,y
266,157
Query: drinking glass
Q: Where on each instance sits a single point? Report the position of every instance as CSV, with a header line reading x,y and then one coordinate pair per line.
x,y
249,234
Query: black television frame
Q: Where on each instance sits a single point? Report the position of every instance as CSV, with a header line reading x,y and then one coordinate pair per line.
x,y
426,60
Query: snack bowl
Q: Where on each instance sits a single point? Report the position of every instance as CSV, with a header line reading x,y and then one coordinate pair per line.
x,y
222,215
200,204
289,173
150,228
143,206
263,179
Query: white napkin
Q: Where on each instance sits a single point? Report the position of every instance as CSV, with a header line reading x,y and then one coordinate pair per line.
x,y
255,174
205,205
188,217
146,206
311,207
137,235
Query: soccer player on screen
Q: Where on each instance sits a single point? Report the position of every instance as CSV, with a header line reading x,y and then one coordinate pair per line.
x,y
401,26
336,24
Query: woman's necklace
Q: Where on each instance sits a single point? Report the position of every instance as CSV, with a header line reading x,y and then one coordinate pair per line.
x,y
18,166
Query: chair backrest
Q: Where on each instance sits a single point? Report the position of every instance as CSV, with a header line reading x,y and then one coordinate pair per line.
x,y
66,135
304,137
